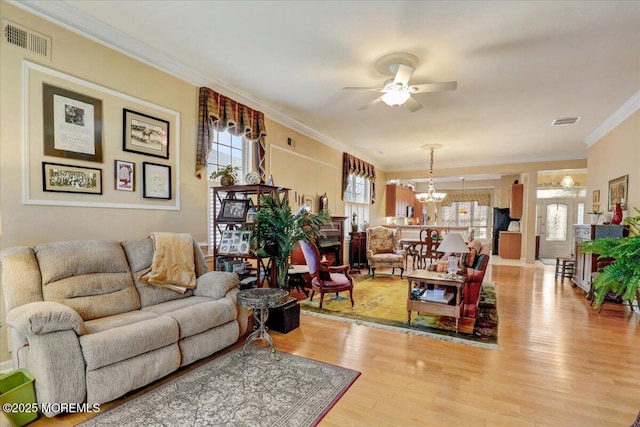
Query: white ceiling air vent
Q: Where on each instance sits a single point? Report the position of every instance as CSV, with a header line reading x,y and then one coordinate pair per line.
x,y
26,39
566,121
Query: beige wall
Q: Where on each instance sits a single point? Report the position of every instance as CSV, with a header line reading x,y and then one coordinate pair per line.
x,y
614,155
307,167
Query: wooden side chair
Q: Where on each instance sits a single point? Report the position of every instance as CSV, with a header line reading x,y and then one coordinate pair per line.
x,y
324,278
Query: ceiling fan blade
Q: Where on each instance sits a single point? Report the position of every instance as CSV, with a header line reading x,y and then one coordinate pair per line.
x,y
376,89
412,104
434,87
371,104
403,74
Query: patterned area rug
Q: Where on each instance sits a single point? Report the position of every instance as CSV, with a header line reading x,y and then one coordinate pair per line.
x,y
236,390
382,302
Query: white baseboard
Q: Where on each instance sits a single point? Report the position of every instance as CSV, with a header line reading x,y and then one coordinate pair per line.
x,y
6,366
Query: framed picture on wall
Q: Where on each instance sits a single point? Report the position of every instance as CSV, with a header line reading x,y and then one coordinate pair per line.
x,y
124,173
144,134
71,179
618,190
156,181
307,201
72,124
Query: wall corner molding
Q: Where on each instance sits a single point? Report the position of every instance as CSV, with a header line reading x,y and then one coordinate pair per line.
x,y
621,114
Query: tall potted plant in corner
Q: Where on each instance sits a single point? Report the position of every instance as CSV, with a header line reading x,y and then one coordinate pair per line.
x,y
279,229
622,276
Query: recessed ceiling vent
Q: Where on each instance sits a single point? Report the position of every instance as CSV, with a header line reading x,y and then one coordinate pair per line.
x,y
26,39
566,121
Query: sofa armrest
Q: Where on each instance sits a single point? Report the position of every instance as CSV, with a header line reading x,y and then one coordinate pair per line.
x,y
215,284
44,317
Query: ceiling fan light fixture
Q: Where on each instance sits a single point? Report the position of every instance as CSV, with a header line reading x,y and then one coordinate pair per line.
x,y
395,97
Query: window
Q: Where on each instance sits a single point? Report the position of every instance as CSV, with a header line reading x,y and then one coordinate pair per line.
x,y
356,201
556,223
226,149
467,214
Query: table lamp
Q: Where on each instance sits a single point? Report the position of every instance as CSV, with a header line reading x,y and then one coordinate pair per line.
x,y
453,243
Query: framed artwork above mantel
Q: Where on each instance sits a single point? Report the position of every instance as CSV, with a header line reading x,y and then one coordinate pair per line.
x,y
618,192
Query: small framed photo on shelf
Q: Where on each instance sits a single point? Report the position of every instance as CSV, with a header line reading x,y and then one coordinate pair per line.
x,y
156,181
251,215
145,134
125,175
71,179
233,210
618,189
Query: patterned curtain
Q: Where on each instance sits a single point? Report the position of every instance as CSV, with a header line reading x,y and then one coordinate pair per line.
x,y
218,112
352,164
482,199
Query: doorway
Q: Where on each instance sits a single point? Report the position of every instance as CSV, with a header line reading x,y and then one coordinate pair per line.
x,y
555,219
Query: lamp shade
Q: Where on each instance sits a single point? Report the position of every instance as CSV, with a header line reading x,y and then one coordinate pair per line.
x,y
453,243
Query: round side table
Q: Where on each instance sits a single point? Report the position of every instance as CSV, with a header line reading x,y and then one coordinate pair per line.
x,y
261,300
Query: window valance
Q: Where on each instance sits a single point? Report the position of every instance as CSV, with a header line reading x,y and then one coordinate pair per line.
x,y
482,199
218,112
354,165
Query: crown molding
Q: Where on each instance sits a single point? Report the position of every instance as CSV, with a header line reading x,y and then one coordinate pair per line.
x,y
620,115
66,16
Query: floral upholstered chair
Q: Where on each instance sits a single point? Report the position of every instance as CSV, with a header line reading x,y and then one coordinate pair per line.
x,y
382,249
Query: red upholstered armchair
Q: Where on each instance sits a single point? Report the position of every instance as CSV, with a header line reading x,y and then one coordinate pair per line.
x,y
325,279
475,263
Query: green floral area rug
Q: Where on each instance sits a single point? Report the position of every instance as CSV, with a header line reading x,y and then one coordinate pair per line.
x,y
254,389
382,302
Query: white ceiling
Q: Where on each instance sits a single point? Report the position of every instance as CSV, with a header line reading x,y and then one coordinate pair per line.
x,y
519,65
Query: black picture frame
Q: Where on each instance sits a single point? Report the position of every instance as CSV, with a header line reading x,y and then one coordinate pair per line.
x,y
233,210
156,181
145,134
66,115
71,179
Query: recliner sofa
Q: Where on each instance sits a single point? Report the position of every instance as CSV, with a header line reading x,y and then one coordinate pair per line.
x,y
89,331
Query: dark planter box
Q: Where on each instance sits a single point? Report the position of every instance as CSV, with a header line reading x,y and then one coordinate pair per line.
x,y
284,318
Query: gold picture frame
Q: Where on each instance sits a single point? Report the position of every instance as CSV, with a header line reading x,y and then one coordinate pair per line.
x,y
618,191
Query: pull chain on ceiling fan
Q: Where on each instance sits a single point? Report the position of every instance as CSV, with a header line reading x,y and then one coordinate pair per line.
x,y
397,91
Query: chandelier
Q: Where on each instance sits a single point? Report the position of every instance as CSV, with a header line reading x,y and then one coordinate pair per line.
x,y
431,196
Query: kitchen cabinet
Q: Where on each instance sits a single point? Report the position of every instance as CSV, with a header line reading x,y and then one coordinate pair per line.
x,y
515,200
509,245
399,200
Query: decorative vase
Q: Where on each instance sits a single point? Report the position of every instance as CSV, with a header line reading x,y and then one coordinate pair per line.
x,y
227,180
616,218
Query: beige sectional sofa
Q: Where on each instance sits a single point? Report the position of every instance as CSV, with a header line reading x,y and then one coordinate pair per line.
x,y
89,331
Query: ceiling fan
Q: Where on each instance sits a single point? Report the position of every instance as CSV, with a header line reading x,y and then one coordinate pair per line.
x,y
397,91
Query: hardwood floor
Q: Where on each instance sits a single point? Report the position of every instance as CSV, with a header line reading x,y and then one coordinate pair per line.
x,y
560,363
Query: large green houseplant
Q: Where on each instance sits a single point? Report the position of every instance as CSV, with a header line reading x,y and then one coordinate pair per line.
x,y
279,229
622,276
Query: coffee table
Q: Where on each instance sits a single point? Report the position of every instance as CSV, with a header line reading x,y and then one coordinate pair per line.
x,y
425,277
261,300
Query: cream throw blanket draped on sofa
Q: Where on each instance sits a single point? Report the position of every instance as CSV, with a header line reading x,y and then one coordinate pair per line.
x,y
173,265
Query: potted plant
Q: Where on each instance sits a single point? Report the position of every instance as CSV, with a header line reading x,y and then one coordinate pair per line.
x,y
623,275
228,175
278,231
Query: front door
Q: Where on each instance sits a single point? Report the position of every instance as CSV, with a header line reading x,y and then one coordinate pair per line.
x,y
556,218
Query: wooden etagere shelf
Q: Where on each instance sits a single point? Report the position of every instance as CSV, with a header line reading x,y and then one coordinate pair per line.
x,y
260,267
